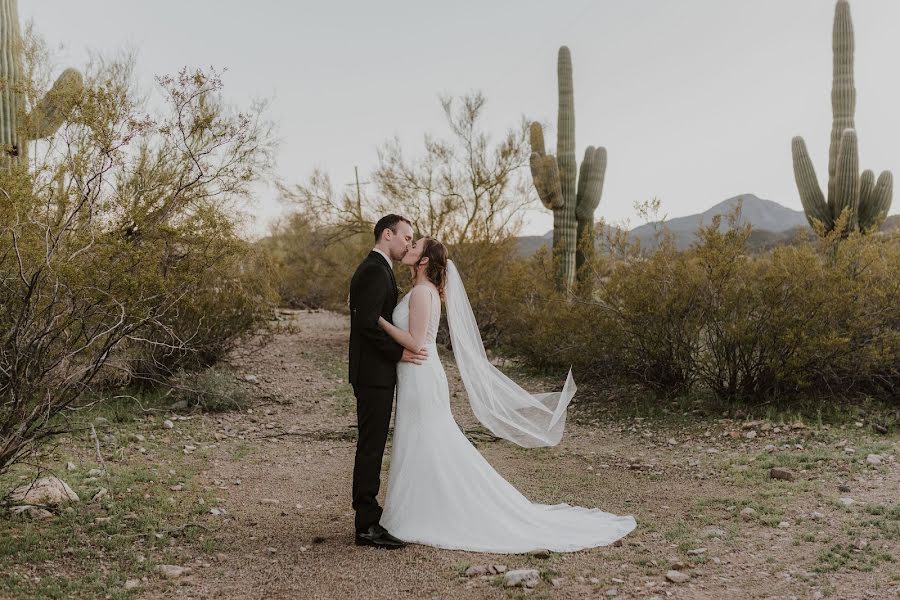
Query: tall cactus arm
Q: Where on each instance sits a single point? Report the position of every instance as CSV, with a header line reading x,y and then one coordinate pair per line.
x,y
545,174
590,183
866,188
846,179
843,92
536,134
874,206
814,205
583,177
52,110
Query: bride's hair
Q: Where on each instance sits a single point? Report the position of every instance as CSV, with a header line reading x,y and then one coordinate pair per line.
x,y
436,267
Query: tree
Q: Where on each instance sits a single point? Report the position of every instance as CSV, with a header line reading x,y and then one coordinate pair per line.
x,y
464,189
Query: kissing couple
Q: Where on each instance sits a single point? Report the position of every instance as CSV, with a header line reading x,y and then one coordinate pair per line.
x,y
441,491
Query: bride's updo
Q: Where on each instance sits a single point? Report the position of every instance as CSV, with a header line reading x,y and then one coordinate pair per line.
x,y
436,267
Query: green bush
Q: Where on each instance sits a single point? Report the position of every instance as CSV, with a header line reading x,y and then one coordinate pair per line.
x,y
813,318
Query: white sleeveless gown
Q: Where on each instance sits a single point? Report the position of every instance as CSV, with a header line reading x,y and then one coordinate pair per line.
x,y
442,492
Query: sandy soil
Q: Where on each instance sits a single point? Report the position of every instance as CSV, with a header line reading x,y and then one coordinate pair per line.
x,y
283,473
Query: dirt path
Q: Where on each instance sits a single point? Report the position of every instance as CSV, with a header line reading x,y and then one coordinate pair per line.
x,y
282,475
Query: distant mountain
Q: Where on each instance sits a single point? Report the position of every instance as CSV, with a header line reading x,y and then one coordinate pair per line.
x,y
773,225
530,244
762,215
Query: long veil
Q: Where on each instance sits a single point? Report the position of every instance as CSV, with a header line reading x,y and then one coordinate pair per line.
x,y
508,411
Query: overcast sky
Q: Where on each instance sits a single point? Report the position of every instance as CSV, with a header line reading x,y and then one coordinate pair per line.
x,y
695,100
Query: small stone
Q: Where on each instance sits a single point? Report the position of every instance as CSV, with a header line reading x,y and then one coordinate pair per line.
x,y
35,512
132,584
70,466
178,487
748,513
168,424
528,578
678,577
879,428
172,571
271,550
770,448
594,580
672,442
540,553
612,592
101,493
557,581
271,501
749,435
874,459
477,571
860,545
697,551
782,474
251,378
783,525
844,488
845,501
816,516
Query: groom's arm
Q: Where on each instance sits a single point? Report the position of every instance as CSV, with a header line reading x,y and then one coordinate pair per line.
x,y
372,290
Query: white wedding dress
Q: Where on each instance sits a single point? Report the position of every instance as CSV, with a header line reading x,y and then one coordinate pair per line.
x,y
442,492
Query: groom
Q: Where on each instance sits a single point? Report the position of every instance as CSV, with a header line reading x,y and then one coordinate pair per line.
x,y
373,371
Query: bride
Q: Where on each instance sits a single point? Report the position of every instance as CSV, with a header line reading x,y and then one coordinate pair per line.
x,y
441,491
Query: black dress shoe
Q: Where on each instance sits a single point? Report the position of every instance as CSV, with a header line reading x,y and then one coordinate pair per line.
x,y
378,536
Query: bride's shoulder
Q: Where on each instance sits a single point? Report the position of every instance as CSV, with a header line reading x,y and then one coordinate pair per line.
x,y
422,289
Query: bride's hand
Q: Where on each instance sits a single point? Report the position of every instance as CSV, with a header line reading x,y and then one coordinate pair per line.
x,y
381,322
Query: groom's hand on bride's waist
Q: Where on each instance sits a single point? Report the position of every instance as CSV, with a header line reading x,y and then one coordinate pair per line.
x,y
417,358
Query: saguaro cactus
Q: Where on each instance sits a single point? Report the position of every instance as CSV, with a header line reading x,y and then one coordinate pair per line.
x,y
571,196
866,200
17,127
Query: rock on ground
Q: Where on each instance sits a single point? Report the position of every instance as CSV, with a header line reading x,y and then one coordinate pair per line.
x,y
522,578
51,491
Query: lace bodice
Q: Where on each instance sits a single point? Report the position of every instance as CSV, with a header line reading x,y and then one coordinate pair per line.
x,y
401,313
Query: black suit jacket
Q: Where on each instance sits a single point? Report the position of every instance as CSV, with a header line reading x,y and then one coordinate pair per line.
x,y
373,354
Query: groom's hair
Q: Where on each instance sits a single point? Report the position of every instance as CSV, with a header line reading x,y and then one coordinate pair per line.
x,y
388,222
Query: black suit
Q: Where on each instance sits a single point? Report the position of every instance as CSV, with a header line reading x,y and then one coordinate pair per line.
x,y
373,373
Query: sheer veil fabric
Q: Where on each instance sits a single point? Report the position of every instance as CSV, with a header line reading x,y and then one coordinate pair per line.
x,y
499,403
441,491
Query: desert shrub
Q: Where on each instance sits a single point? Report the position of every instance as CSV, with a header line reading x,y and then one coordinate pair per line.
x,y
314,261
211,390
818,317
491,274
118,242
231,296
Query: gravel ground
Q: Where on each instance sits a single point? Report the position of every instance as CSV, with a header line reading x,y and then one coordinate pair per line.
x,y
282,474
